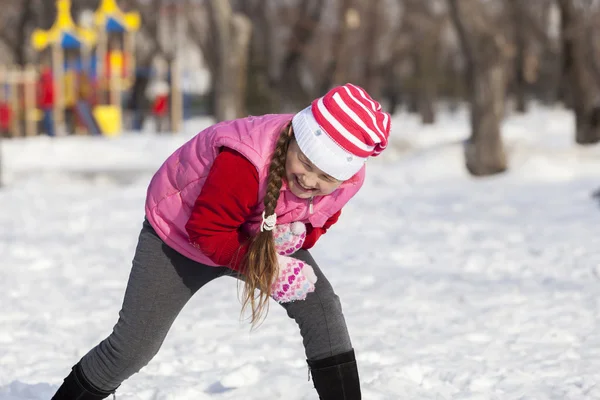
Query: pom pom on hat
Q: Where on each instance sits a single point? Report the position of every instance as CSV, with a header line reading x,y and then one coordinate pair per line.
x,y
340,130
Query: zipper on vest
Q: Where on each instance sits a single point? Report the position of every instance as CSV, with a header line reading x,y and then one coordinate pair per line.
x,y
310,206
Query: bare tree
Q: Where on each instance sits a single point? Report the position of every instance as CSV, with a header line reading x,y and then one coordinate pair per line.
x,y
593,42
47,13
260,96
282,42
425,25
18,20
374,26
291,91
149,43
578,71
335,72
484,49
537,63
395,71
520,38
232,39
536,69
202,33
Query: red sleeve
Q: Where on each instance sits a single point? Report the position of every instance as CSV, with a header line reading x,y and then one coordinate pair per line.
x,y
313,234
224,204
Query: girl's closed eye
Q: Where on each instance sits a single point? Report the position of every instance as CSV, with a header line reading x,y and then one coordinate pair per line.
x,y
305,162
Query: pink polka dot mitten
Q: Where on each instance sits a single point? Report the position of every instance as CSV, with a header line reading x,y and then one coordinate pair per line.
x,y
295,281
289,238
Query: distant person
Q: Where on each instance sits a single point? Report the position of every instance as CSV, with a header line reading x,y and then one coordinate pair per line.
x,y
246,198
85,88
70,99
5,118
46,100
85,104
137,102
159,91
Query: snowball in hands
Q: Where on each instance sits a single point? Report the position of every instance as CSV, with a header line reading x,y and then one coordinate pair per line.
x,y
289,238
295,281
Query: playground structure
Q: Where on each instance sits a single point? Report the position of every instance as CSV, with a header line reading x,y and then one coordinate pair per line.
x,y
90,70
22,81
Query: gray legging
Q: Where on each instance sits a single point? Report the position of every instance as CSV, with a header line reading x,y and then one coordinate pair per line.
x,y
161,283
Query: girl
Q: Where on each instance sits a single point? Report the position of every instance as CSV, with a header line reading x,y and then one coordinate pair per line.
x,y
246,198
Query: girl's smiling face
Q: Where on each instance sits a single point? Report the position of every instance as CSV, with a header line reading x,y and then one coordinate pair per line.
x,y
304,179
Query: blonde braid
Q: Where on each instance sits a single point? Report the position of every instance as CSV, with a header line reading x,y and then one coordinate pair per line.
x,y
261,266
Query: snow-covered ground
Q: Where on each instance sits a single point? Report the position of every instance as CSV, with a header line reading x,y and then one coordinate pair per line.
x,y
453,287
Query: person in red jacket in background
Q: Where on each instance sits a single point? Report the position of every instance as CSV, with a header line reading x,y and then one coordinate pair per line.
x,y
5,118
160,104
46,100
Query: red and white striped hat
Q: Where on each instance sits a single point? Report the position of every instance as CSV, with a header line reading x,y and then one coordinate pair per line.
x,y
340,130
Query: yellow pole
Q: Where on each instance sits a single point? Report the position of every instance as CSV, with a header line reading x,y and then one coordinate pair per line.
x,y
115,86
30,106
100,66
115,92
129,57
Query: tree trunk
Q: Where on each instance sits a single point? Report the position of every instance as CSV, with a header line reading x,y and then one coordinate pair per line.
x,y
412,85
484,150
564,91
259,96
426,73
335,72
291,92
232,37
372,79
260,93
579,75
391,92
46,14
242,32
519,81
22,39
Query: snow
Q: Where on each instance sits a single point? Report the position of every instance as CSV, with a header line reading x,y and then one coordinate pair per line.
x,y
453,287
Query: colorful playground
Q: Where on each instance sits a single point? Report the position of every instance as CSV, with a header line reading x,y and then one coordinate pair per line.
x,y
85,81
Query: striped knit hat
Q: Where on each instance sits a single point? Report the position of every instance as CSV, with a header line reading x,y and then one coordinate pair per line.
x,y
340,130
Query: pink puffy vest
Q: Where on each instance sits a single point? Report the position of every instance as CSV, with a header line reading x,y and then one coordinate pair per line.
x,y
176,185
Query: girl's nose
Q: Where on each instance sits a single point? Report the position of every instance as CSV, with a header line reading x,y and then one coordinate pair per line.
x,y
309,181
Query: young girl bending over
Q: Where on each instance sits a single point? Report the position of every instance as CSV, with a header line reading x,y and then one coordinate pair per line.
x,y
246,198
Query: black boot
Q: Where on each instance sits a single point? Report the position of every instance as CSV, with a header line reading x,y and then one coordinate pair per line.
x,y
76,387
336,377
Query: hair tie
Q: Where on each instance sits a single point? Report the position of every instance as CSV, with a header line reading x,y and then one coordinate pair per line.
x,y
268,223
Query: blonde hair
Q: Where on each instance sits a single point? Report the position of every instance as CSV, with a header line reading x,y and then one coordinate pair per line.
x,y
261,266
